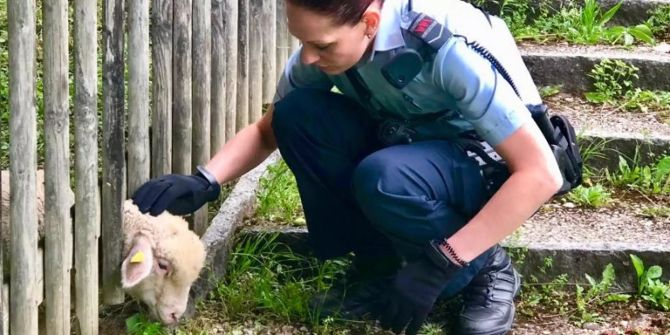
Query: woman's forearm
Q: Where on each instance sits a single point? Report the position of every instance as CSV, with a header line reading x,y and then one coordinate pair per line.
x,y
516,200
534,179
248,148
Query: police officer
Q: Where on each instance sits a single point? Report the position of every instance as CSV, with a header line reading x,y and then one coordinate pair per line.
x,y
381,165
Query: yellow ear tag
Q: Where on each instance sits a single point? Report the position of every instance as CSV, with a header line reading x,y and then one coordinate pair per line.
x,y
138,257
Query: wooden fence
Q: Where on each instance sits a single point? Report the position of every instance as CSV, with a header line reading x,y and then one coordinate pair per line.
x,y
197,72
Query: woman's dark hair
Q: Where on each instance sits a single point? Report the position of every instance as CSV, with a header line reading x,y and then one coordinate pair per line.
x,y
342,11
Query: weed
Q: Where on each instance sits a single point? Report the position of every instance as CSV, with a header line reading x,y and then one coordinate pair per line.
x,y
649,285
594,196
612,79
278,197
654,212
586,24
594,149
659,20
650,179
550,295
550,90
598,293
613,83
431,329
139,324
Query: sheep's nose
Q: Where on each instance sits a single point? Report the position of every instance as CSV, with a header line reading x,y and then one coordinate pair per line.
x,y
174,317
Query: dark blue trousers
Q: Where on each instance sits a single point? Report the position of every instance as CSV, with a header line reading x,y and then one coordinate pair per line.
x,y
361,197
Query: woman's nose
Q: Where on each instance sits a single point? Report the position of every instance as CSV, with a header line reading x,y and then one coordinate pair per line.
x,y
309,56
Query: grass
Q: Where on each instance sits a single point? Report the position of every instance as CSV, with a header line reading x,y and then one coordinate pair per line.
x,y
268,287
278,196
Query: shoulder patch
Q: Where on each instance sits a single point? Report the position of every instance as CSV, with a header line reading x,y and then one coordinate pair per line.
x,y
428,30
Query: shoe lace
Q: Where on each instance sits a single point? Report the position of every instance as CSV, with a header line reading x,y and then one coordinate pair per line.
x,y
480,290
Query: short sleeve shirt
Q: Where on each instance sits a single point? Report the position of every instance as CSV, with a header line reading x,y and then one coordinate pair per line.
x,y
459,82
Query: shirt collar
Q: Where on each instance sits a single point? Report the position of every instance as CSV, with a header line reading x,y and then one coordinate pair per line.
x,y
389,36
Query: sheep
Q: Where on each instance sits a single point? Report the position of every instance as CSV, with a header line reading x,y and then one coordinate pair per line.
x,y
4,214
161,256
162,259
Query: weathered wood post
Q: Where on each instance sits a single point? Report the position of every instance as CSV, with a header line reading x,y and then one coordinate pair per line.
x,y
58,225
23,166
256,26
202,45
282,37
269,49
139,156
243,66
113,157
219,85
182,114
87,194
231,33
161,87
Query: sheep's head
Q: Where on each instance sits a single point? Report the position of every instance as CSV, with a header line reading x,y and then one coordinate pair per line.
x,y
162,259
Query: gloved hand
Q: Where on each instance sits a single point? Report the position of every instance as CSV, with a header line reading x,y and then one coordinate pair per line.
x,y
179,194
414,291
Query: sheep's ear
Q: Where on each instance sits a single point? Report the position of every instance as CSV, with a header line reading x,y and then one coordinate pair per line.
x,y
138,263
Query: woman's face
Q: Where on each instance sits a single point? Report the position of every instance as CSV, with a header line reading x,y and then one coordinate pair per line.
x,y
331,47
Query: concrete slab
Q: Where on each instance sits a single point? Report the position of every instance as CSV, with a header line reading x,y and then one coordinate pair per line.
x,y
569,66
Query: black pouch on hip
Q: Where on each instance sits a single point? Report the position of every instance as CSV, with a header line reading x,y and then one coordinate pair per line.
x,y
561,136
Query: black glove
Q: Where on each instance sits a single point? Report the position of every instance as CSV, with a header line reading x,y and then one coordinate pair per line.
x,y
414,291
179,194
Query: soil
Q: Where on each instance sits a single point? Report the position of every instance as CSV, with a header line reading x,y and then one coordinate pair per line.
x,y
615,318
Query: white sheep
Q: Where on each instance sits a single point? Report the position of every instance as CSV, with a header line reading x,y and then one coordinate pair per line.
x,y
162,257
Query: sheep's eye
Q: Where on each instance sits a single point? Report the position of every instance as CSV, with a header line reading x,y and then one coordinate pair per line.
x,y
163,266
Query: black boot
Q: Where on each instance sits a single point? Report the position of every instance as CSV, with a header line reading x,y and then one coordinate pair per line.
x,y
352,295
489,298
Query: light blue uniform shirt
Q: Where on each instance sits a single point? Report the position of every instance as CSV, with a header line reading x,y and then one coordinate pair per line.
x,y
459,80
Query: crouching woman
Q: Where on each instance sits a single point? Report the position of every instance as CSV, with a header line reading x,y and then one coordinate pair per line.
x,y
394,168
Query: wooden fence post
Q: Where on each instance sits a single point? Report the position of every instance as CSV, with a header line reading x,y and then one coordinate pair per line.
x,y
182,112
256,26
139,159
231,33
113,158
202,48
58,225
22,167
282,38
161,87
269,50
243,66
87,194
219,87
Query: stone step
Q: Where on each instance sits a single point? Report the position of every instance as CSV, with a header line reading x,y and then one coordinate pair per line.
x,y
618,132
631,12
570,65
581,246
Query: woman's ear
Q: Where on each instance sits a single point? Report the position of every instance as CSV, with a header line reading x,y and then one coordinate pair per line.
x,y
371,18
